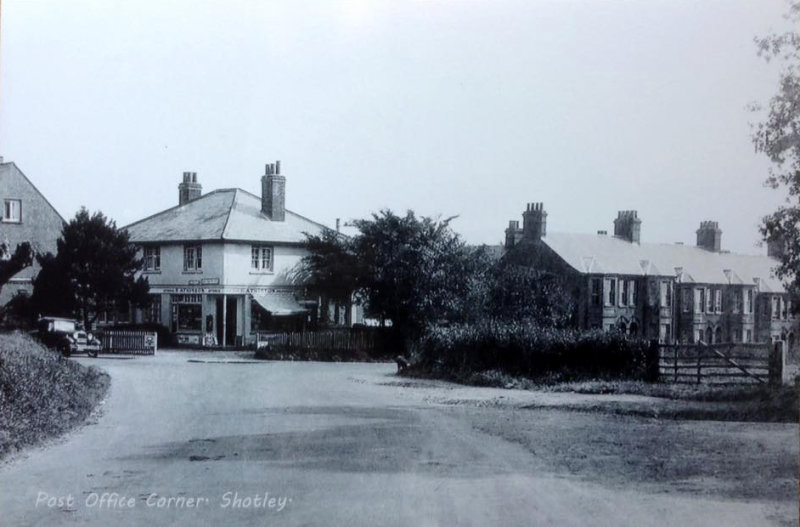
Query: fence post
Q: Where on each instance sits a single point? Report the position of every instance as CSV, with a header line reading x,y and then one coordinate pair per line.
x,y
651,367
777,363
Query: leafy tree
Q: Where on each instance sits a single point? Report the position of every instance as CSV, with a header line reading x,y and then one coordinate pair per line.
x,y
11,264
412,271
778,137
523,292
94,270
332,268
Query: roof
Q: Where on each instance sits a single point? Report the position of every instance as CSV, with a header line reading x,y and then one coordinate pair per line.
x,y
602,254
226,214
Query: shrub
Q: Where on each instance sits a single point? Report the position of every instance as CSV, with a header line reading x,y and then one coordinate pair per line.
x,y
524,349
41,393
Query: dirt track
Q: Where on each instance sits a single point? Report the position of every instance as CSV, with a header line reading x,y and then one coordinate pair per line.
x,y
350,444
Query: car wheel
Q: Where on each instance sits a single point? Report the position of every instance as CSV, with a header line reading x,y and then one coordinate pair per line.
x,y
64,348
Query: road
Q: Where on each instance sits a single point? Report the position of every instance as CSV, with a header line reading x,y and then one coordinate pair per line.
x,y
203,439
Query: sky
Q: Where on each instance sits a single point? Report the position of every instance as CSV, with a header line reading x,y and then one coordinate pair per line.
x,y
445,107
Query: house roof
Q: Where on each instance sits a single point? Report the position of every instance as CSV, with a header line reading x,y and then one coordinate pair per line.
x,y
602,254
226,214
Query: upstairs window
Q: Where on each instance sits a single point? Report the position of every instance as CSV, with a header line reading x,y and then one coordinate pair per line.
x,y
632,299
261,258
699,300
686,300
666,293
12,210
623,297
718,300
597,291
152,258
610,285
737,303
749,301
193,258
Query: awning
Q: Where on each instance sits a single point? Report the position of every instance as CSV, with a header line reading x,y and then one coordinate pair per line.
x,y
280,304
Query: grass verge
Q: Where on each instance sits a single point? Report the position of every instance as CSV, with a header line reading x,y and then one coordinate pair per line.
x,y
758,403
42,395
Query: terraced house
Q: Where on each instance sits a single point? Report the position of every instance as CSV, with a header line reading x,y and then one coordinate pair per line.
x,y
671,292
222,265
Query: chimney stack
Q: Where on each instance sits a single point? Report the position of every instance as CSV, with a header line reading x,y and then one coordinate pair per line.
x,y
273,192
776,247
189,189
628,226
534,222
513,234
709,236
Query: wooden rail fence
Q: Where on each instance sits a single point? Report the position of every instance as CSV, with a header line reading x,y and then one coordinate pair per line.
x,y
129,342
722,363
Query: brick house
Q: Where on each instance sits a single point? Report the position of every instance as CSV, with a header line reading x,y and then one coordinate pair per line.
x,y
222,265
27,216
671,292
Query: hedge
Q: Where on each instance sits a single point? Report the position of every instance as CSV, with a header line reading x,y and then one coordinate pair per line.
x,y
524,349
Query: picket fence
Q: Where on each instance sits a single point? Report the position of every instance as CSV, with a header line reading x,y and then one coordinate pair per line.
x,y
333,340
129,342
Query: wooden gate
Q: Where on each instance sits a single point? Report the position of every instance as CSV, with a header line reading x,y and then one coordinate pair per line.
x,y
729,363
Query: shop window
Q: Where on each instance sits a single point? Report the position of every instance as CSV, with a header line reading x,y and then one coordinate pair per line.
x,y
190,317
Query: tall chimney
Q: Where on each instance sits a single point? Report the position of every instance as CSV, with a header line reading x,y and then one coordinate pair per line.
x,y
273,192
709,236
189,189
628,226
534,222
513,233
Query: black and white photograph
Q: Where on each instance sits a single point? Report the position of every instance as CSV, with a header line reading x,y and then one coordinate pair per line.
x,y
400,263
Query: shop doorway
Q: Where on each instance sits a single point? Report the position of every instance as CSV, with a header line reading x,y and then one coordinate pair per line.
x,y
226,313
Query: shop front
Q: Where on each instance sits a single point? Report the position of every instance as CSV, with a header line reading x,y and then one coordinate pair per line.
x,y
230,316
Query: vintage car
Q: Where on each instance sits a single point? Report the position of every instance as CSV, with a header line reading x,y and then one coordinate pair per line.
x,y
66,336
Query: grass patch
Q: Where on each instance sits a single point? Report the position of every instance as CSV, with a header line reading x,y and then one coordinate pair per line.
x,y
757,403
42,395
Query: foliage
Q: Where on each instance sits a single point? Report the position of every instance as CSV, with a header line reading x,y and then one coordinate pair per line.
x,y
41,393
778,137
524,348
412,271
11,264
94,270
522,292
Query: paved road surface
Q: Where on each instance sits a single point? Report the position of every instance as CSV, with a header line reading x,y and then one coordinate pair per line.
x,y
180,442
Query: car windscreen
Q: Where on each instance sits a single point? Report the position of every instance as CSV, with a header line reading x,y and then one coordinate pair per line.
x,y
63,325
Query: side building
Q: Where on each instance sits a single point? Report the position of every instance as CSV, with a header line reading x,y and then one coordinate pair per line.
x,y
27,216
669,292
222,266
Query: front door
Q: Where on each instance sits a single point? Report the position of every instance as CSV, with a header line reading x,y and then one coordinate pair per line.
x,y
230,333
226,335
